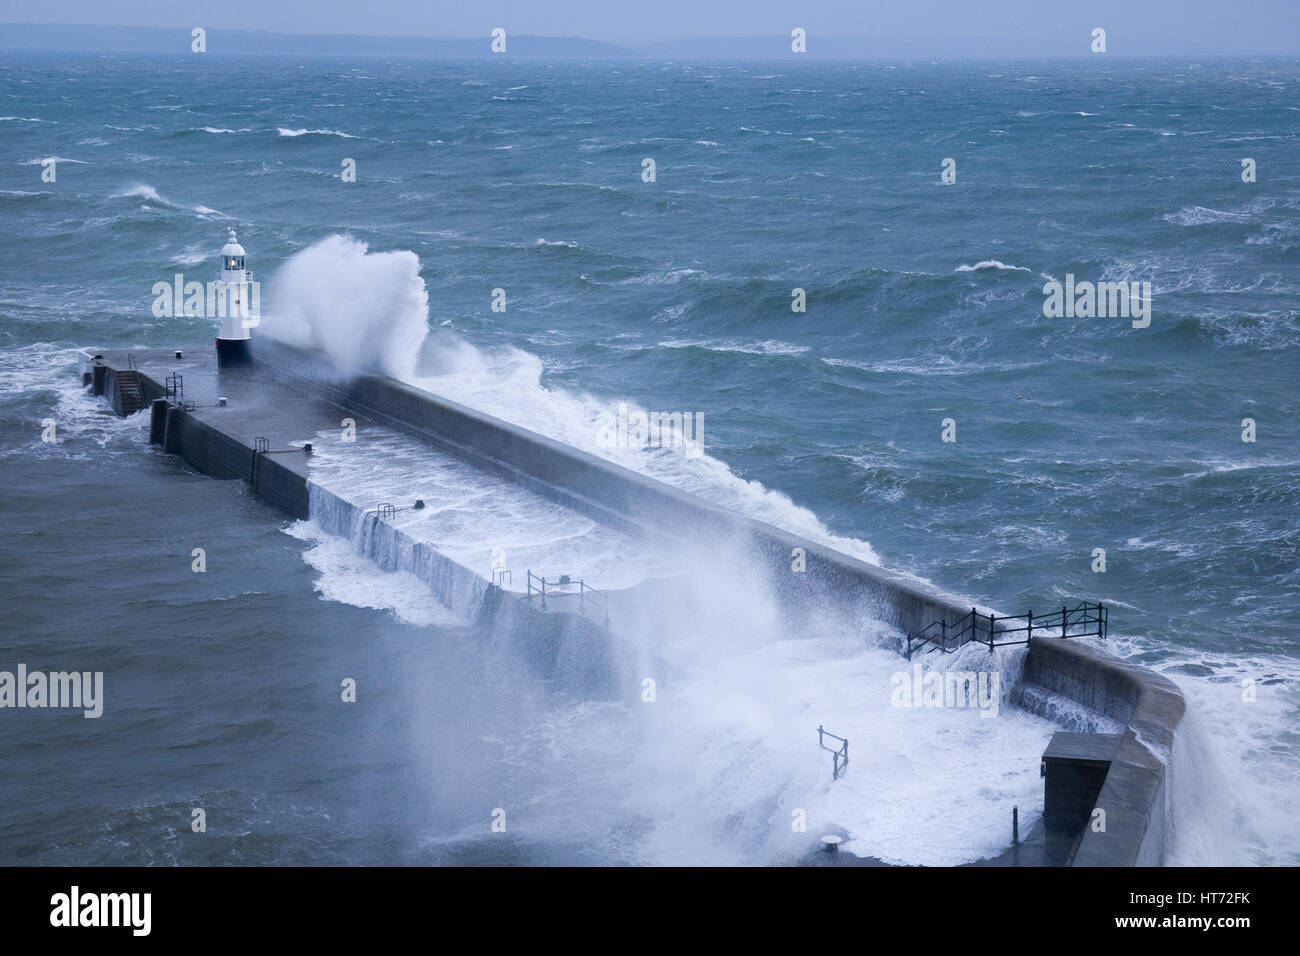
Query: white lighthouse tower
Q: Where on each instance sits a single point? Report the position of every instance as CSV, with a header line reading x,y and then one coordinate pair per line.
x,y
239,296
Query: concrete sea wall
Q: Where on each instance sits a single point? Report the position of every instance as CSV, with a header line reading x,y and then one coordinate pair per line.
x,y
622,498
1150,706
571,651
1134,794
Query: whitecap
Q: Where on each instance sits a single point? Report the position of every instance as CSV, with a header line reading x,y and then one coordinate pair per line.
x,y
314,132
1202,216
991,264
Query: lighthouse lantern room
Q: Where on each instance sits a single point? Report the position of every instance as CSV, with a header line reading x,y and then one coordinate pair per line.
x,y
238,295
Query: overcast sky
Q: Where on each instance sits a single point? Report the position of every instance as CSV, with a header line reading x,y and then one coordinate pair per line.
x,y
1203,25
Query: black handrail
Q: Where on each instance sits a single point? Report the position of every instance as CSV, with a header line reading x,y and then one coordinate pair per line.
x,y
1087,619
597,598
261,445
840,755
586,593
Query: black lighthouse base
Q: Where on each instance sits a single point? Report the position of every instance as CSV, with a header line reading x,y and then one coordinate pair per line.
x,y
233,352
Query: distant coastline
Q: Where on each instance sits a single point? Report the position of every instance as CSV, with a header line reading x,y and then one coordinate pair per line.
x,y
132,39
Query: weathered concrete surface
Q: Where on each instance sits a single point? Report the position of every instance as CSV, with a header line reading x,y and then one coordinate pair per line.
x,y
1134,795
219,441
1039,847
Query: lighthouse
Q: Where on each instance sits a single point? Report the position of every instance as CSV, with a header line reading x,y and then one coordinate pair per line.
x,y
239,295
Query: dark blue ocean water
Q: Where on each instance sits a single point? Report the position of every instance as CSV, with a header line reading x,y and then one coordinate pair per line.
x,y
924,303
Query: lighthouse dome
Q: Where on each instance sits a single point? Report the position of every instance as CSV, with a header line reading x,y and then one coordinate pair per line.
x,y
232,247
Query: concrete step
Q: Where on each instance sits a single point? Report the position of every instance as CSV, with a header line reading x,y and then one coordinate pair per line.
x,y
129,393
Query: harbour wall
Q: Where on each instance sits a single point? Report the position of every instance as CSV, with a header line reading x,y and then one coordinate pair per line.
x,y
568,649
627,500
1134,795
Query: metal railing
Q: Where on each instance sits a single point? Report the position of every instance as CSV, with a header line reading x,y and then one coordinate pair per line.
x,y
261,445
1088,619
383,511
588,597
839,755
130,360
175,385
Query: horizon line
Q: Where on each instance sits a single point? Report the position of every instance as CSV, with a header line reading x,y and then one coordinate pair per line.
x,y
940,46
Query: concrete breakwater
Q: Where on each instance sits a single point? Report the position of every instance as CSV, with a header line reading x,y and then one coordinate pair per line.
x,y
289,396
1134,795
622,498
220,441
